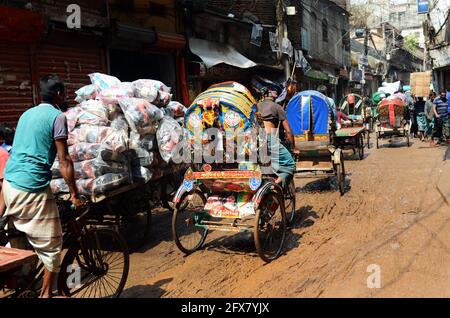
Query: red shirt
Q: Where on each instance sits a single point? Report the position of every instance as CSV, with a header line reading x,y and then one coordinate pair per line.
x,y
341,116
4,156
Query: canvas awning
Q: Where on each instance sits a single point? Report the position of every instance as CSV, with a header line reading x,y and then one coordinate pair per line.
x,y
317,75
213,53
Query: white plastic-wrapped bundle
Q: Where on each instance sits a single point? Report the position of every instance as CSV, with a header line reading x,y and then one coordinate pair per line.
x,y
117,140
141,157
146,142
147,92
153,91
114,94
92,168
72,117
142,116
120,123
95,107
169,134
175,110
103,81
87,151
88,187
86,93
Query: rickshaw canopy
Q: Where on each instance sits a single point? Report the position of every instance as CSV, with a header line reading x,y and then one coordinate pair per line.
x,y
355,99
309,112
228,105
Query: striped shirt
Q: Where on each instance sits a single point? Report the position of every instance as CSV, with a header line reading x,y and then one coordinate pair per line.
x,y
441,107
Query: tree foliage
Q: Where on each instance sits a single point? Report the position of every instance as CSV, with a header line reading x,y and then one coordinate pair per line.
x,y
411,42
359,15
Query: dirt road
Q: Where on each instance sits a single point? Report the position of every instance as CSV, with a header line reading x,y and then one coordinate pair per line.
x,y
393,221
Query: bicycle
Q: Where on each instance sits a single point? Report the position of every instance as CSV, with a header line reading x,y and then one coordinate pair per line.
x,y
96,262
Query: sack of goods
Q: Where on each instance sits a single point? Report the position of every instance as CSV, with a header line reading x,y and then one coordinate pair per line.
x,y
120,133
142,116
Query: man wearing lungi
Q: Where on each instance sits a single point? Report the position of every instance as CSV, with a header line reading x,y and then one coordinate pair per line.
x,y
274,116
41,134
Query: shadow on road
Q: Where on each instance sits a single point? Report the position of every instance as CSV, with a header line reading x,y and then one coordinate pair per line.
x,y
146,291
327,184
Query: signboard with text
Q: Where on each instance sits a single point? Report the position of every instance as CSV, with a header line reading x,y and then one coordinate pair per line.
x,y
422,6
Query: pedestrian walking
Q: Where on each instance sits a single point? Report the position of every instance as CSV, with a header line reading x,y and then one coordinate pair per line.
x,y
440,116
421,119
429,113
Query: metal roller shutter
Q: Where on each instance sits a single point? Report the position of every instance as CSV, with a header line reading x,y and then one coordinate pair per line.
x,y
16,88
72,64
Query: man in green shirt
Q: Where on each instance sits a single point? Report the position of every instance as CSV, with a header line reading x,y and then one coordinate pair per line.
x,y
41,134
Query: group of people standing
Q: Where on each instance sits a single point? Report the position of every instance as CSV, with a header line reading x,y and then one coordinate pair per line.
x,y
430,119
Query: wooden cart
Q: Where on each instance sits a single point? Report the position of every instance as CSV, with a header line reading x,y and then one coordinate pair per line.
x,y
352,138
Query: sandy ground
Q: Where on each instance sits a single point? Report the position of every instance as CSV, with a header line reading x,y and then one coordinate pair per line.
x,y
393,221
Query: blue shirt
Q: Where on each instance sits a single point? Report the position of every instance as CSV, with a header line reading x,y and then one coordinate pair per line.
x,y
441,107
448,100
34,151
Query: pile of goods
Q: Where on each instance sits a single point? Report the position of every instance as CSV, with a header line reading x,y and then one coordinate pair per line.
x,y
121,133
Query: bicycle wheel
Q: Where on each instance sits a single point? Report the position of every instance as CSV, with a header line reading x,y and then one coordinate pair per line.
x,y
289,203
97,267
361,147
188,236
270,227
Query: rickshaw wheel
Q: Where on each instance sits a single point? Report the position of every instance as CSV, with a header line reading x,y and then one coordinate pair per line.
x,y
187,236
361,147
340,171
270,227
289,203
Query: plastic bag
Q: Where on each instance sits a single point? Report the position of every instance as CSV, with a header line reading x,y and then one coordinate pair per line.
x,y
175,110
72,117
141,174
95,107
103,81
146,91
86,151
87,118
86,93
142,116
89,187
141,157
120,123
146,142
93,168
114,94
169,134
116,140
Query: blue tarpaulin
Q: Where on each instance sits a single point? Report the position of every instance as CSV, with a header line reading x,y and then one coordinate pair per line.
x,y
299,109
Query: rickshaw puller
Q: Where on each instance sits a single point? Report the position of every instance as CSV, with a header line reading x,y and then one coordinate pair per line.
x,y
273,116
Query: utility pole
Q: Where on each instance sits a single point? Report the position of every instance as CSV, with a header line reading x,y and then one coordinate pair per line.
x,y
282,34
365,58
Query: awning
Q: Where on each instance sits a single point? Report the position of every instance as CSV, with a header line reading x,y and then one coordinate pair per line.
x,y
317,75
213,53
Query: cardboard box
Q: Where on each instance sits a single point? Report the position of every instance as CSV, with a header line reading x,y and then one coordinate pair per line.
x,y
420,83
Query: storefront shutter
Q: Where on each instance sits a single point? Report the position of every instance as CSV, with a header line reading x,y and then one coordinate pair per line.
x,y
16,89
72,64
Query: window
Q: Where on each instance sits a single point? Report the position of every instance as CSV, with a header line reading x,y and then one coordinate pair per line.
x,y
345,40
324,30
305,39
401,16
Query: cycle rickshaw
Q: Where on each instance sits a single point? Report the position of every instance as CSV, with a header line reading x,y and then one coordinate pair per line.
x,y
313,122
392,120
231,196
353,137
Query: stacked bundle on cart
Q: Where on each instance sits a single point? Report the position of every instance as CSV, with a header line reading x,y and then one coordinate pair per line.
x,y
120,133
